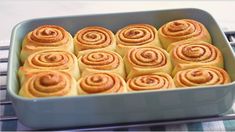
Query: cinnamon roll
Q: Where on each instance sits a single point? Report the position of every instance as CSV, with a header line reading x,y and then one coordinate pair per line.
x,y
136,35
48,84
101,61
201,76
44,38
146,60
183,29
155,81
101,83
190,54
93,38
51,60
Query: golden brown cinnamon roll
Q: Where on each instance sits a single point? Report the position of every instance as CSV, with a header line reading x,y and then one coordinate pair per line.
x,y
51,60
101,61
46,37
146,60
182,29
136,35
48,84
201,76
190,54
155,81
93,38
101,83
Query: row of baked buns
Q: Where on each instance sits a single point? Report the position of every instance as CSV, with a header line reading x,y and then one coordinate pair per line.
x,y
137,57
95,37
55,83
137,61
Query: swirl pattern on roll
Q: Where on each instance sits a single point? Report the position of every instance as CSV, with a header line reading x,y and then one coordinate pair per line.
x,y
189,54
51,59
136,34
182,30
101,60
201,76
47,84
150,82
54,35
147,56
93,37
101,83
146,60
196,51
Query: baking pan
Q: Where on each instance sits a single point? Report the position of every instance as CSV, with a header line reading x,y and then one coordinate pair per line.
x,y
62,112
